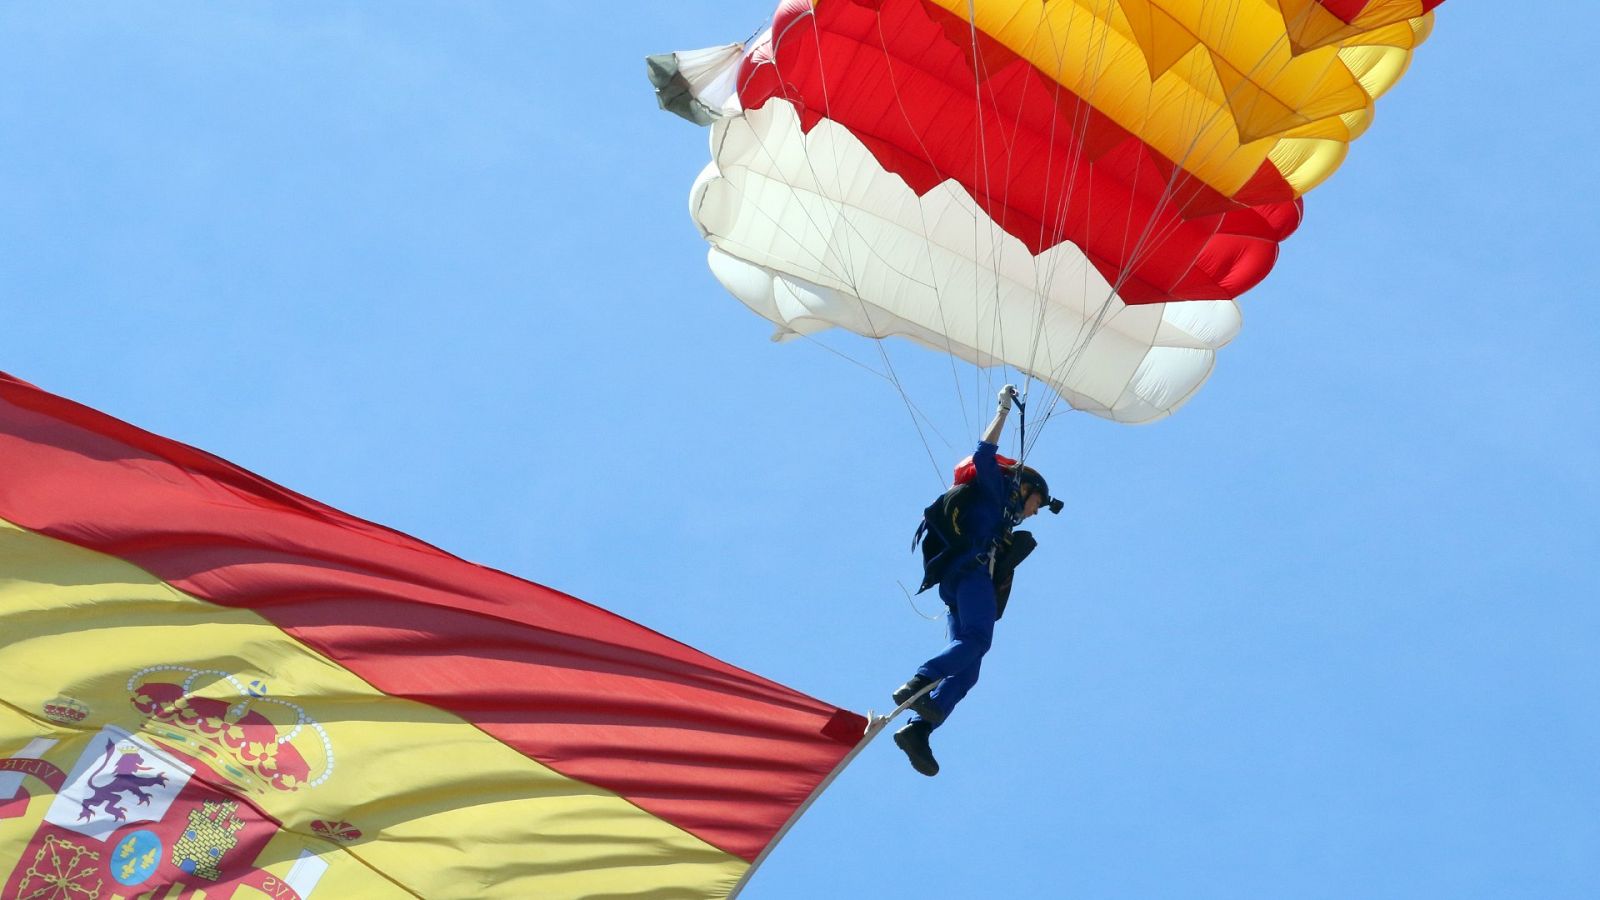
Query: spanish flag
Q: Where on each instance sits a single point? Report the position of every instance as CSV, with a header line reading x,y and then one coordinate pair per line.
x,y
212,687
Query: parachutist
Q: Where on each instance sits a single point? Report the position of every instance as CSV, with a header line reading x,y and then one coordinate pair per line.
x,y
970,551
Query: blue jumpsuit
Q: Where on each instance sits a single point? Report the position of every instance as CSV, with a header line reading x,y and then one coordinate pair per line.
x,y
968,591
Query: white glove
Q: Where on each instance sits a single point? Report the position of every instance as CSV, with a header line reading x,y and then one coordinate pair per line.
x,y
1005,395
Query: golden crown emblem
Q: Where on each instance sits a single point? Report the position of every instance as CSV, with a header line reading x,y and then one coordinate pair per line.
x,y
65,709
233,726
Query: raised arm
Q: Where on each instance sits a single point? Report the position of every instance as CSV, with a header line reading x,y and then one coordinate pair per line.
x,y
991,435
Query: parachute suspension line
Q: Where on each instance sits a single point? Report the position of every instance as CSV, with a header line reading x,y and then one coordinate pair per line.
x,y
1042,286
1044,279
849,277
1150,240
763,24
845,275
983,379
919,417
1081,120
979,159
1144,244
1040,292
1082,116
922,213
1048,224
889,376
823,262
996,348
920,413
1095,323
998,236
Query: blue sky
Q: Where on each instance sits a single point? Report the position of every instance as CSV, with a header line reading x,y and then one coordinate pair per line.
x,y
1328,632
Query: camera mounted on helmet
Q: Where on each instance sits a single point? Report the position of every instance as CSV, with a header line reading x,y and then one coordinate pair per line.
x,y
1029,481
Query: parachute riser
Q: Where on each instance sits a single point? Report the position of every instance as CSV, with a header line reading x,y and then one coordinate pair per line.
x,y
1012,514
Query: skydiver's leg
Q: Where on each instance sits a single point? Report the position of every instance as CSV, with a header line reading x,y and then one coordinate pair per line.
x,y
970,602
971,627
951,690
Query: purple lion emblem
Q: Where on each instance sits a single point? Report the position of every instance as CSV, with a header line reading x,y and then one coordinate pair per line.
x,y
125,779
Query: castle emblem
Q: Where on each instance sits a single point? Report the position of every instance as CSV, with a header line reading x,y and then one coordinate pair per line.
x,y
213,831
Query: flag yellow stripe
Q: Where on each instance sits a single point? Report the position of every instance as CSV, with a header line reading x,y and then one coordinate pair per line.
x,y
444,809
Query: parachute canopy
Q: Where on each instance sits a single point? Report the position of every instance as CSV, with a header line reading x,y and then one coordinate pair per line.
x,y
1079,190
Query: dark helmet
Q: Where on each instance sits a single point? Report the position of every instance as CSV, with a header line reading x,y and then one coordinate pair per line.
x,y
1030,479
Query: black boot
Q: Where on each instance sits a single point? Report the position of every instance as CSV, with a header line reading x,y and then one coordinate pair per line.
x,y
922,706
913,739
